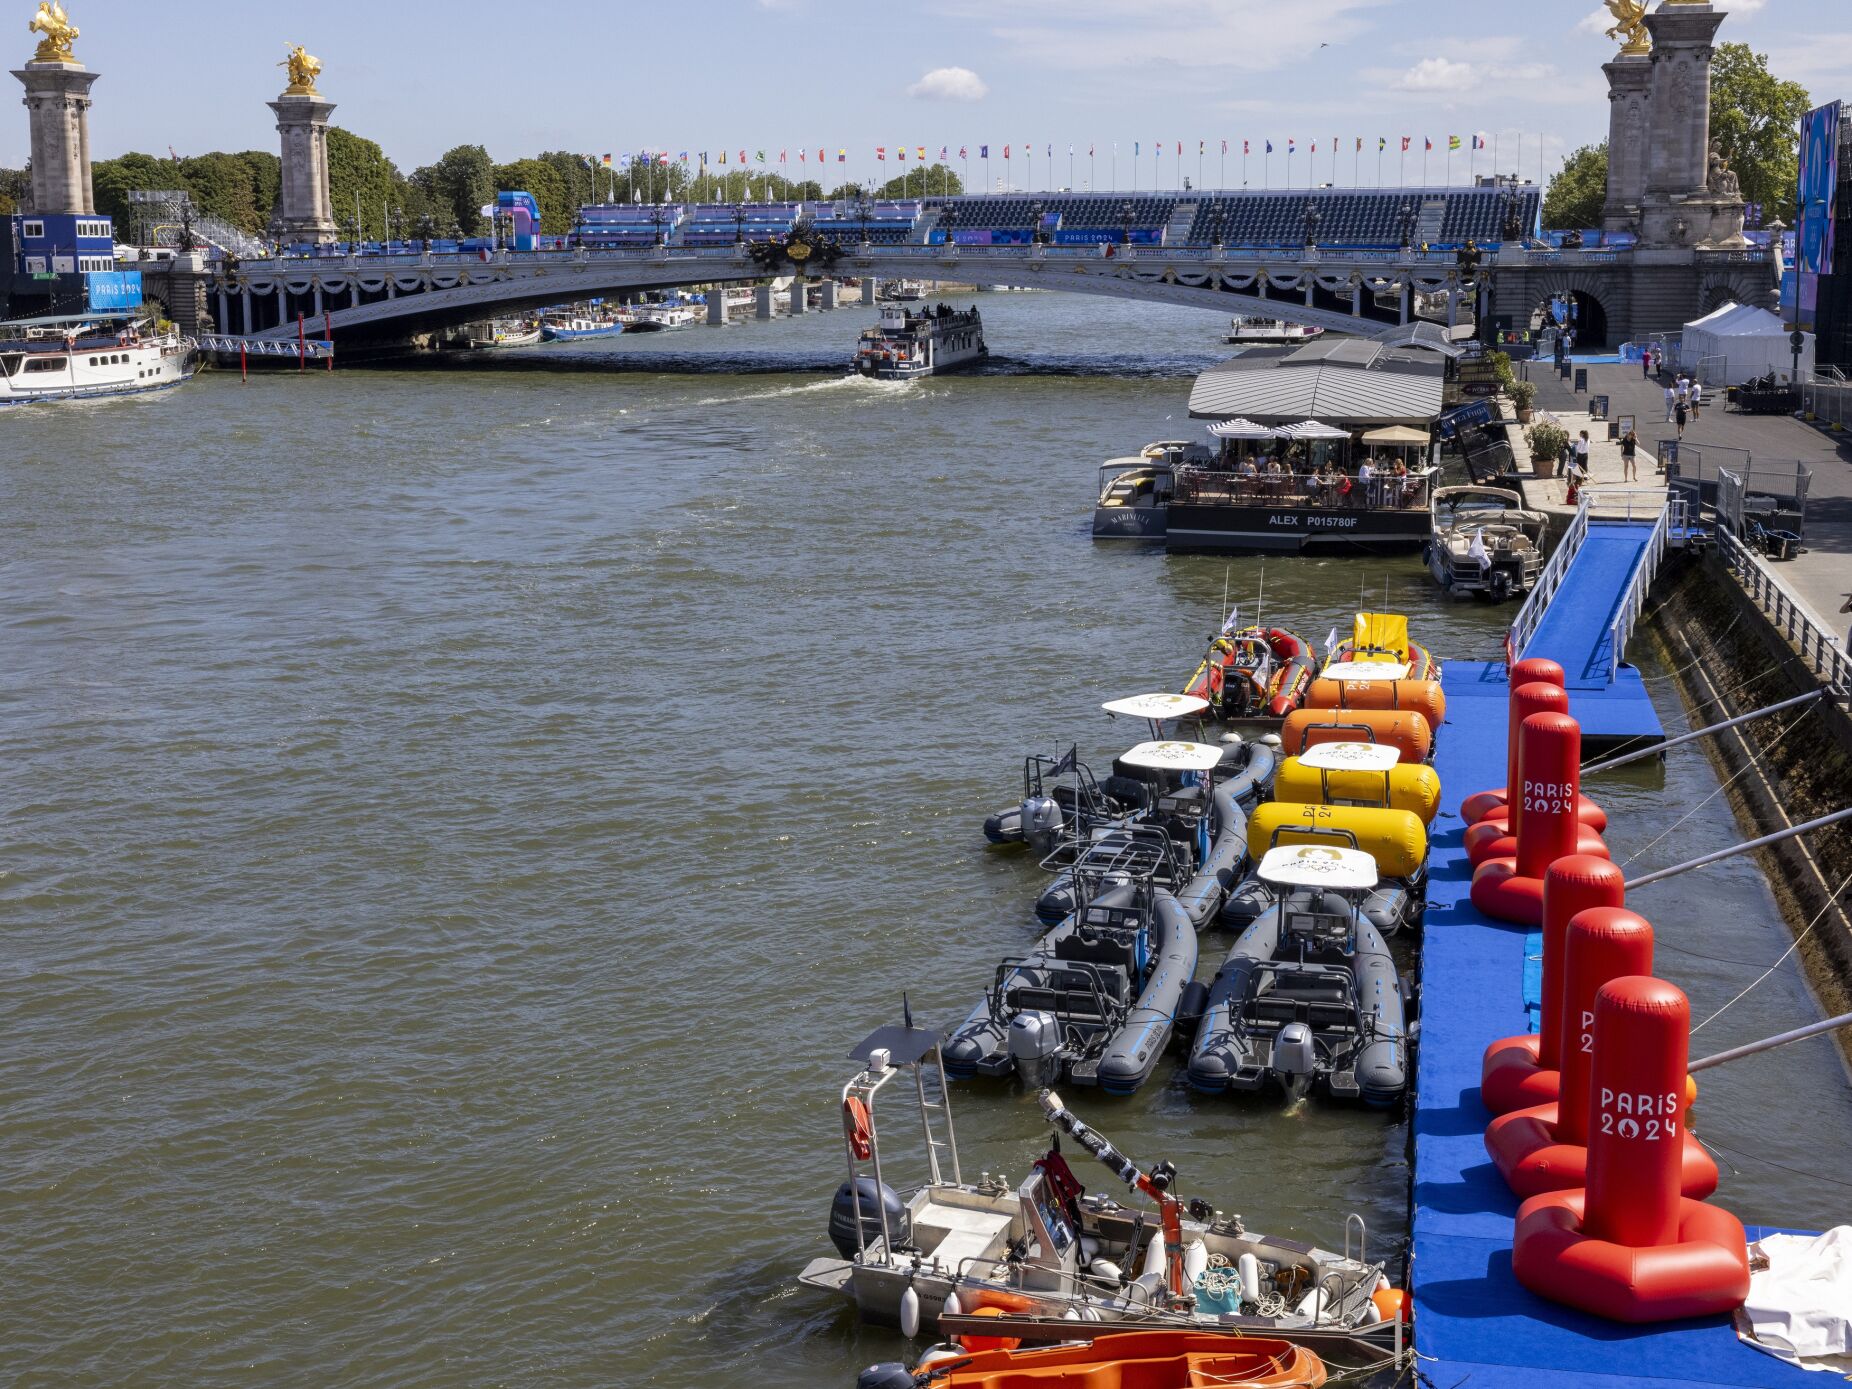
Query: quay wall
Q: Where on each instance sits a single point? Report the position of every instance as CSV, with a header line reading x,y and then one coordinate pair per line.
x,y
1730,658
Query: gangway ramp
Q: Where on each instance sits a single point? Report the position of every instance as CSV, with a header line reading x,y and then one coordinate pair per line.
x,y
1577,629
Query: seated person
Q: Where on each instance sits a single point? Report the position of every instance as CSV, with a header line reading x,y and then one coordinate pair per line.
x,y
1247,467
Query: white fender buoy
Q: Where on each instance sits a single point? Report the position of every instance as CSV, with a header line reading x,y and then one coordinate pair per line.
x,y
1383,1284
1154,1256
1106,1269
1088,1312
1089,1249
1195,1260
1311,1305
1070,1315
1248,1265
1372,1313
952,1305
909,1313
1147,1289
935,1354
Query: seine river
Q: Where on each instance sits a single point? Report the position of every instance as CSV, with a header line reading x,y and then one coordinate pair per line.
x,y
457,821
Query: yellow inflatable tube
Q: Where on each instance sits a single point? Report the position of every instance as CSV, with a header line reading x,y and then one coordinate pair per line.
x,y
1412,786
1396,839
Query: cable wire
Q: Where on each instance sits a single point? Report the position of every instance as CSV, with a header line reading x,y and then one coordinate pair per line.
x,y
1818,917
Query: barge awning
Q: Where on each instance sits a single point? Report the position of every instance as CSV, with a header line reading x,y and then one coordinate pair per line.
x,y
1355,381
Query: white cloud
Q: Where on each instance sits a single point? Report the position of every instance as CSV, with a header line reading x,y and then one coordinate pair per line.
x,y
1439,75
950,84
1600,22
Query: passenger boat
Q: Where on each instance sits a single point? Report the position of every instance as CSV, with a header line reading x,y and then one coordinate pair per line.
x,y
1135,493
656,318
1038,1254
1484,542
507,334
1254,672
1381,639
1268,332
1116,1360
562,327
903,291
89,356
904,345
1309,995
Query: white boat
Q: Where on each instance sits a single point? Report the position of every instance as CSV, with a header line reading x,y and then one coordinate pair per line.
x,y
905,344
1044,1251
1268,332
903,291
508,335
86,357
1484,542
656,318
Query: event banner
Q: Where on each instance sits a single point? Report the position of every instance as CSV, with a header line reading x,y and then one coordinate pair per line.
x,y
1819,178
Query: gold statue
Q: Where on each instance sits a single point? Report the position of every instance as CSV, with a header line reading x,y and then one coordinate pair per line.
x,y
1630,26
304,67
56,26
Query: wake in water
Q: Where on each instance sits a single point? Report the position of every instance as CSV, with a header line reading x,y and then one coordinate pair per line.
x,y
1122,366
861,385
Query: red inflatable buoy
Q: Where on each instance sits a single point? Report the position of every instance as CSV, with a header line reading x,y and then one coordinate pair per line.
x,y
1524,701
1629,1246
1518,1072
1550,762
1492,838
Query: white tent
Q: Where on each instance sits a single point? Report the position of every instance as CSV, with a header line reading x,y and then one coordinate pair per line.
x,y
1730,345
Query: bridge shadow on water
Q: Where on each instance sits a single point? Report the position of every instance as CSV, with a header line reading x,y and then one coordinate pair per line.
x,y
1123,366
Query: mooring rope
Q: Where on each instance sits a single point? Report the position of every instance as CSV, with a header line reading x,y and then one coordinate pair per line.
x,y
1818,917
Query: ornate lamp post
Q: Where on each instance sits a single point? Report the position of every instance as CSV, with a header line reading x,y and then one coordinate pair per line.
x,y
1407,224
1125,222
739,224
1311,223
1036,211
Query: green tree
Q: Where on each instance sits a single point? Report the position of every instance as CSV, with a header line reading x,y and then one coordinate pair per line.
x,y
114,179
1755,120
221,187
1576,195
926,180
558,211
456,188
361,180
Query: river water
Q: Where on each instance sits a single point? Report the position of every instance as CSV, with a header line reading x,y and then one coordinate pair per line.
x,y
457,822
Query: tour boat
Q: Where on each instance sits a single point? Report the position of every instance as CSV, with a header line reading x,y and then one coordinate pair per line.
x,y
903,291
656,318
1485,542
904,345
503,334
563,326
1268,332
1040,1257
79,358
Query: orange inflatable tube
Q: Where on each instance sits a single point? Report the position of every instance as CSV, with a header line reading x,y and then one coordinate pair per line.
x,y
1423,696
1405,729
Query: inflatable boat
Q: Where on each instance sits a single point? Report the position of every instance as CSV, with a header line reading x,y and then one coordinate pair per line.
x,y
1309,996
1096,1000
1204,813
1395,840
1382,639
1254,673
1116,1360
1045,1247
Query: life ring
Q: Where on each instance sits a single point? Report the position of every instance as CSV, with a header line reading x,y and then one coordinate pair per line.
x,y
859,1128
1006,1302
971,1344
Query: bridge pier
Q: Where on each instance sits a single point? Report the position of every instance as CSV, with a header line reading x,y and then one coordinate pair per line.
x,y
224,311
762,302
245,295
800,288
716,306
829,296
871,289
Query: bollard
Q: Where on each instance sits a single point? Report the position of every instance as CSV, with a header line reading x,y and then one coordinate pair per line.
x,y
1545,1148
1510,887
1521,1071
1629,1246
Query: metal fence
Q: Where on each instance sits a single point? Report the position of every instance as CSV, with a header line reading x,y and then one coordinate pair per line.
x,y
1524,625
1828,402
1824,654
1629,505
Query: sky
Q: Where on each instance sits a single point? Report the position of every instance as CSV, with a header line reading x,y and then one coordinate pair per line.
x,y
619,77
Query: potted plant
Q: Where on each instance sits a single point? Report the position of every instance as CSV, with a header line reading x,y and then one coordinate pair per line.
x,y
1523,395
1547,441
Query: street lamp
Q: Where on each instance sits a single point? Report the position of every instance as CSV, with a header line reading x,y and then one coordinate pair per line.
x,y
1311,223
948,216
1125,222
1407,224
739,224
655,217
1036,210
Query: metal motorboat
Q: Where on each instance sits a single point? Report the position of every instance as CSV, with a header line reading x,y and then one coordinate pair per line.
x,y
1037,1254
1484,542
1309,996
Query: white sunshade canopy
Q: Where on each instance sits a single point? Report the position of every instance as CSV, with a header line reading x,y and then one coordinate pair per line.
x,y
1157,706
1350,757
1311,429
1241,429
1366,670
1174,757
1314,865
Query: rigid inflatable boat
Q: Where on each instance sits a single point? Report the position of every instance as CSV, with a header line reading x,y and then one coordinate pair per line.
x,y
1203,810
1395,840
1042,1255
1096,999
1309,994
1382,639
1254,673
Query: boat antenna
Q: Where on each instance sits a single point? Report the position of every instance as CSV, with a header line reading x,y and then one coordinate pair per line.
x,y
1225,569
1260,598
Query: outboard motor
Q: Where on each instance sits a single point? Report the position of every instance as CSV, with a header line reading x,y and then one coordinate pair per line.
x,y
1041,823
1295,1059
887,1374
1035,1047
873,1198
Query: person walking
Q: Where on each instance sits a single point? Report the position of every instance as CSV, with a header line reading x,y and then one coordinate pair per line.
x,y
1680,415
1697,397
1628,446
1581,454
1671,401
1646,364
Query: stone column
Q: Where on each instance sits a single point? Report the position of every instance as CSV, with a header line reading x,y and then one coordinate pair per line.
x,y
871,289
1678,142
762,301
58,98
800,288
303,210
1630,80
829,295
717,307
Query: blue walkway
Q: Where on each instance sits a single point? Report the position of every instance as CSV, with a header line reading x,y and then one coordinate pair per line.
x,y
1574,630
1470,1314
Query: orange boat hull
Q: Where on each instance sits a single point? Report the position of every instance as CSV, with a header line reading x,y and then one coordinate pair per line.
x,y
1140,1360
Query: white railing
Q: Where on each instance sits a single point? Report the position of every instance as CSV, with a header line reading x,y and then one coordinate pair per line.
x,y
1824,655
1524,625
1633,601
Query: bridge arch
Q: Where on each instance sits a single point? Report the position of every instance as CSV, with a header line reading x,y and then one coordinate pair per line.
x,y
1590,293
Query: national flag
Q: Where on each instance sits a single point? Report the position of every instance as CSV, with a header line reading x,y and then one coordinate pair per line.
x,y
1134,149
1179,149
1427,143
1269,147
1290,147
820,156
1201,145
881,153
684,156
1453,143
1089,151
1478,142
1224,147
723,156
983,151
900,152
1006,151
1359,149
1051,149
742,158
842,156
607,161
920,150
781,157
1314,147
1405,140
586,160
1381,144
961,153
1244,149
759,155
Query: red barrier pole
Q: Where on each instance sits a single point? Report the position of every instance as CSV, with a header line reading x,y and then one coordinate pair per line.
x,y
244,365
1601,944
1637,1120
1550,766
1570,886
